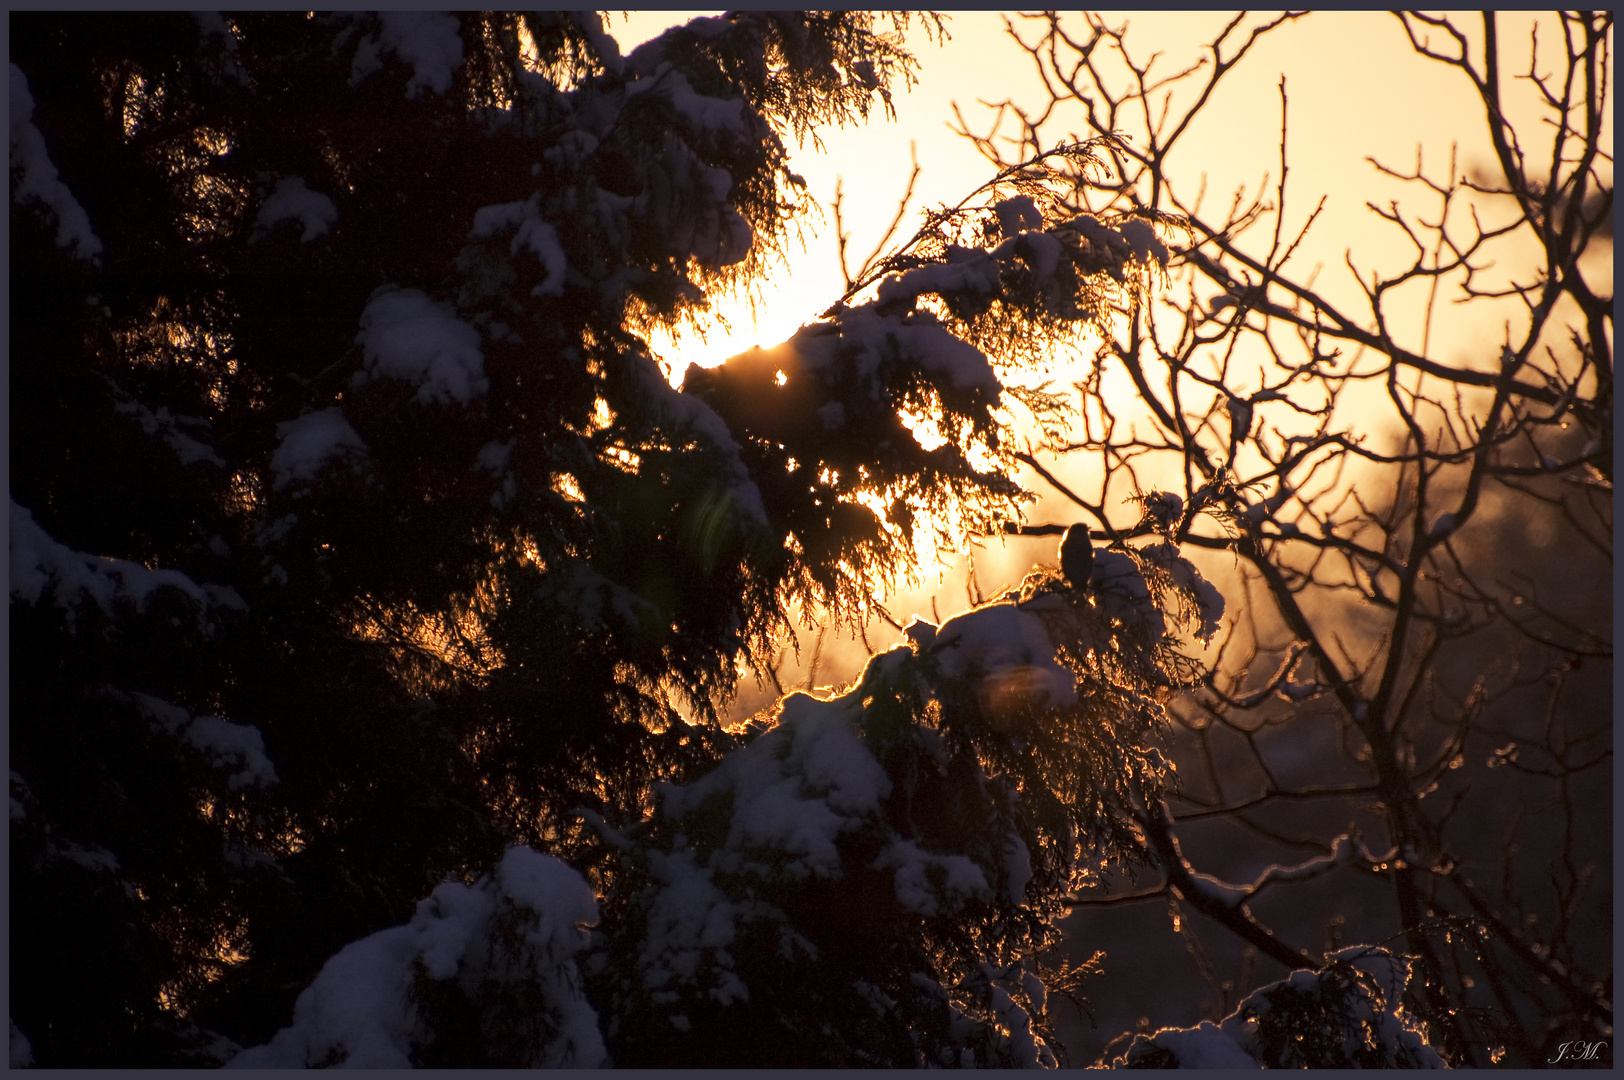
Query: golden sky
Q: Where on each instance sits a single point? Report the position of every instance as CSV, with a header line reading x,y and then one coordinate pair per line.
x,y
1357,90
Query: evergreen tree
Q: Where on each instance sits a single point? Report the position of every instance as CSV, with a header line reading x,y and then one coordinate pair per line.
x,y
362,551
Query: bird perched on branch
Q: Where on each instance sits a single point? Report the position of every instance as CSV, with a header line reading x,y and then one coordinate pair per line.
x,y
1076,556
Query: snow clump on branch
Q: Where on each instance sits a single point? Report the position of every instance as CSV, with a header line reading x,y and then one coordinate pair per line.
x,y
239,747
429,41
292,201
1349,1014
522,927
406,335
307,443
40,566
40,181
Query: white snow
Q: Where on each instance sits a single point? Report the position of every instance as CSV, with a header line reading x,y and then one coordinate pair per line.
x,y
358,1009
1017,214
1208,601
355,1008
307,443
229,745
19,786
916,339
795,789
1018,870
578,588
561,900
921,632
406,335
1204,1046
530,233
968,271
1007,645
267,533
607,48
915,890
1391,970
96,859
213,24
979,276
290,200
689,918
1030,1053
39,563
493,456
1233,1043
22,1051
429,41
1164,507
1122,593
687,411
1041,251
1101,236
189,450
707,114
1035,990
39,180
1147,246
572,150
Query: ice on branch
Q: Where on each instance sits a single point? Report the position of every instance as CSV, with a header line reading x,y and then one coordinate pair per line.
x,y
523,927
290,200
39,180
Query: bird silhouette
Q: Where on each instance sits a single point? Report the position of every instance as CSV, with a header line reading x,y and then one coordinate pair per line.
x,y
1076,556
